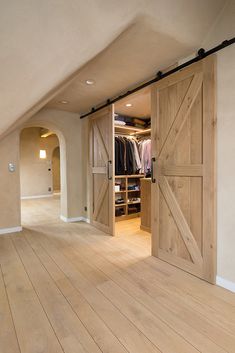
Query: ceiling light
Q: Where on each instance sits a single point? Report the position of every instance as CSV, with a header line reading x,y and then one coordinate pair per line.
x,y
90,82
47,134
128,105
63,102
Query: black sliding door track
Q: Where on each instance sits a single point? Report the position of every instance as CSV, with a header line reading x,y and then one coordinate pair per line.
x,y
201,55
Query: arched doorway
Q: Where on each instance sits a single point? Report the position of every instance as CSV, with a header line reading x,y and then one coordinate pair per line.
x,y
42,171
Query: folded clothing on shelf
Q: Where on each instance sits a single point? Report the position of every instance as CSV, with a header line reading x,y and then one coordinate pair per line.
x,y
119,200
119,211
119,122
133,210
134,199
133,187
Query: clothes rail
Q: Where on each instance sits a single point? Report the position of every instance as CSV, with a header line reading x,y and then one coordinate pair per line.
x,y
123,135
201,55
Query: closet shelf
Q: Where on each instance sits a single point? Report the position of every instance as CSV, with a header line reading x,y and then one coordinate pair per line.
x,y
129,176
128,128
125,181
142,132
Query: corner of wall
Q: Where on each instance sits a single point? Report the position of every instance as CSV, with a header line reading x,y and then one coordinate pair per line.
x,y
222,282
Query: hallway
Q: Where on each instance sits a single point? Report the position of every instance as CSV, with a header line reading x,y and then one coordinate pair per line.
x,y
66,287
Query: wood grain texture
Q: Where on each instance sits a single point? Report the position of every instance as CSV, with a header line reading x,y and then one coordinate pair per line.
x,y
183,144
8,338
101,169
85,290
145,213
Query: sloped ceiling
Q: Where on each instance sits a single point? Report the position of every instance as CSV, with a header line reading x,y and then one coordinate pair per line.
x,y
140,104
116,42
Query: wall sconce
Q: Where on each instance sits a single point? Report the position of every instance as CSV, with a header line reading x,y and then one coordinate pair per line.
x,y
43,154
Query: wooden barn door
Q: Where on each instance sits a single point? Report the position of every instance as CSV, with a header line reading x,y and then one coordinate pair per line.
x,y
183,149
102,170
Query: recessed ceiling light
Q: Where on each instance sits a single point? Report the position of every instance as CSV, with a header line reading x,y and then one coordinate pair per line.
x,y
90,82
128,105
63,102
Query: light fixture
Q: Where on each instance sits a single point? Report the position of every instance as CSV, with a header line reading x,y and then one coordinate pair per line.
x,y
128,105
63,102
90,82
47,134
43,154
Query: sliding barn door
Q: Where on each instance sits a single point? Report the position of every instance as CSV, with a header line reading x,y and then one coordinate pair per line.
x,y
183,149
101,169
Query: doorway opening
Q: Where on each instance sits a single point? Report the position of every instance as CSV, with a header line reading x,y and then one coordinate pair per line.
x,y
40,175
132,155
56,170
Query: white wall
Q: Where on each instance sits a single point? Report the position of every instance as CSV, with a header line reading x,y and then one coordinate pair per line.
x,y
36,175
224,28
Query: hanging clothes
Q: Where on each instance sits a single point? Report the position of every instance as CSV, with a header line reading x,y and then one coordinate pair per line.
x,y
120,156
145,156
127,158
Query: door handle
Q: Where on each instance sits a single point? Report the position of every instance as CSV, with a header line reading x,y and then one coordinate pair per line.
x,y
153,159
108,175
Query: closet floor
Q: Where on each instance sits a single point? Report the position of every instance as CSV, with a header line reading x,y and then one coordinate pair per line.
x,y
68,288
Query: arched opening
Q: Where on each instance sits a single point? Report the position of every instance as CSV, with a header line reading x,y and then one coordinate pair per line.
x,y
42,174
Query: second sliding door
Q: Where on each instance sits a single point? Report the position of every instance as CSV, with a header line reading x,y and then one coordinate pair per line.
x,y
101,144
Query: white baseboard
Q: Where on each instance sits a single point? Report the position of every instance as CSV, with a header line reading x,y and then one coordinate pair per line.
x,y
86,220
36,197
225,283
10,230
74,219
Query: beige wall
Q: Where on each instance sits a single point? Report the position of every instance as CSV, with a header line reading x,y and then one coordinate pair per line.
x,y
74,177
223,29
36,175
226,164
44,42
56,169
9,182
67,126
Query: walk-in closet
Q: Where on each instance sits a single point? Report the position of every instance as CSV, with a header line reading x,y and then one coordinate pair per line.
x,y
132,155
152,165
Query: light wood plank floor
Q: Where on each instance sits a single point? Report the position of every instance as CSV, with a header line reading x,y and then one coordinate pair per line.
x,y
70,288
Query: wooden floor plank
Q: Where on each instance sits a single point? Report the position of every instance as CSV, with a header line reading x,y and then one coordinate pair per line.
x,y
73,336
224,317
33,329
198,337
83,291
129,335
167,339
180,305
136,290
8,338
102,335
